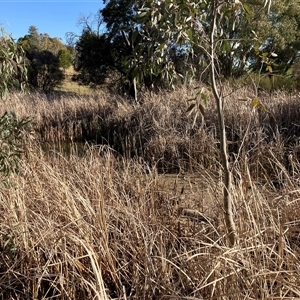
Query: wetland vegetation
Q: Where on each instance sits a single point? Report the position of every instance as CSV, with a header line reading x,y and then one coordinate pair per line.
x,y
109,223
115,197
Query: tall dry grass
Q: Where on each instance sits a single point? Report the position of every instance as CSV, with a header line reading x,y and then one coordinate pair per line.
x,y
106,224
161,131
95,227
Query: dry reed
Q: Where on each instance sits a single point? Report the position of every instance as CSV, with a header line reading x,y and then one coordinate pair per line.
x,y
103,226
160,130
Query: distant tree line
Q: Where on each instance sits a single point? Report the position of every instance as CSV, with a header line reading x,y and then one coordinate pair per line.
x,y
47,57
117,47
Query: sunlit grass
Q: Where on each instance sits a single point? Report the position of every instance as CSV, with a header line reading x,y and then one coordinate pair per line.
x,y
110,227
102,223
73,87
70,86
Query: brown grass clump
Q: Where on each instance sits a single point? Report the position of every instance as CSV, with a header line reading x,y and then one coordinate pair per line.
x,y
94,227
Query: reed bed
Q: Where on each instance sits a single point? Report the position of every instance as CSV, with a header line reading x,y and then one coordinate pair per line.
x,y
162,132
97,227
108,223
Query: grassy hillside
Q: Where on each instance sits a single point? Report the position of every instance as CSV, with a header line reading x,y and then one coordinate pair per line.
x,y
137,214
70,86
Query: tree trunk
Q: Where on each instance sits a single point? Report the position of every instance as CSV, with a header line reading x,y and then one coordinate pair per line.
x,y
232,236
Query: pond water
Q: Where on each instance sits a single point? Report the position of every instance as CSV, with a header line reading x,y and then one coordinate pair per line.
x,y
65,148
71,148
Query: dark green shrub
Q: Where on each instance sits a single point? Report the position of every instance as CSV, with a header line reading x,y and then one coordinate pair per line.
x,y
44,71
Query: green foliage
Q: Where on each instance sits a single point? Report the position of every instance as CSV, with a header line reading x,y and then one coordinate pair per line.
x,y
187,24
94,58
33,37
44,72
13,76
119,15
243,27
11,136
65,58
106,55
40,41
12,65
45,56
278,31
117,53
137,56
154,42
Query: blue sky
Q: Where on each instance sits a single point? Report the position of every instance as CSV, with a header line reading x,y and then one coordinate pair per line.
x,y
52,17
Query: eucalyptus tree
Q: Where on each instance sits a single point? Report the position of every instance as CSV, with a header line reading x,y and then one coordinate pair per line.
x,y
278,32
102,50
201,23
12,65
111,44
13,77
